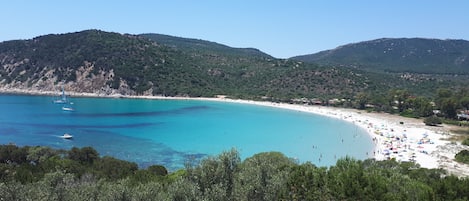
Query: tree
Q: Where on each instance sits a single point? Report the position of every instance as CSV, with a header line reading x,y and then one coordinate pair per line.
x,y
13,154
215,175
39,154
432,121
448,107
85,155
158,170
12,191
380,102
464,101
114,169
263,177
443,93
402,97
422,107
399,97
347,179
462,156
307,182
54,186
361,100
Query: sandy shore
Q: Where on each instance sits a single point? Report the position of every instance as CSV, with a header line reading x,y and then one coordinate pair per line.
x,y
395,137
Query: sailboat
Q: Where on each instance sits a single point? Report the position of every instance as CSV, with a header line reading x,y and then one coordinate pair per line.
x,y
62,99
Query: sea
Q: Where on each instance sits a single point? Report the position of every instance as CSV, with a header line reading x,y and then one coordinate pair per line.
x,y
174,132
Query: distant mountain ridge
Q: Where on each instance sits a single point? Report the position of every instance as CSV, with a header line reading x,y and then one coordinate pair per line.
x,y
414,55
107,63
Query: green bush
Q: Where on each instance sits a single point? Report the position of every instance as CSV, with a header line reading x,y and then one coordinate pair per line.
x,y
409,113
462,156
465,142
432,121
158,170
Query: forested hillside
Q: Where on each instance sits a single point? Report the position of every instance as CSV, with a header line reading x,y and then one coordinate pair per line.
x,y
101,62
202,47
414,55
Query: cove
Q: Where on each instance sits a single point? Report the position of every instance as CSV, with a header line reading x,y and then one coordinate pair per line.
x,y
170,132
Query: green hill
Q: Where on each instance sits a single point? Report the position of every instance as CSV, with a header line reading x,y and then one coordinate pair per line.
x,y
415,55
204,47
108,63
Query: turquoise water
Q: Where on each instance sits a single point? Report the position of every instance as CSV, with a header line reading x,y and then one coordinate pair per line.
x,y
169,132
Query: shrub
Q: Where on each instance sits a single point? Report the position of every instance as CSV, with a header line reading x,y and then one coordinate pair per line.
x,y
158,170
462,156
409,113
465,142
432,121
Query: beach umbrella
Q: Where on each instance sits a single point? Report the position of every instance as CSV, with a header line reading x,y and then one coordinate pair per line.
x,y
386,152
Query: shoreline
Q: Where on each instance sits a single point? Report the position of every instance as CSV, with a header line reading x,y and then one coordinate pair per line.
x,y
394,137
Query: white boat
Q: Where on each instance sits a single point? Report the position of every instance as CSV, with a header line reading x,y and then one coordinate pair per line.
x,y
62,99
66,136
67,108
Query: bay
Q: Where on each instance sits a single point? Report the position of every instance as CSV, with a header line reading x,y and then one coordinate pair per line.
x,y
171,132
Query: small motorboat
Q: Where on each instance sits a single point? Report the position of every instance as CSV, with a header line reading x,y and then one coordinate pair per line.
x,y
67,108
66,136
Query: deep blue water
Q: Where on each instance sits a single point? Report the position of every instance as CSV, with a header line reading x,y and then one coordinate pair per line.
x,y
169,132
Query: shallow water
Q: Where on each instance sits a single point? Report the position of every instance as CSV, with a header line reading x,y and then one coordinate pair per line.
x,y
169,132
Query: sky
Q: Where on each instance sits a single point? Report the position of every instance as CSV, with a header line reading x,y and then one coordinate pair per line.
x,y
281,28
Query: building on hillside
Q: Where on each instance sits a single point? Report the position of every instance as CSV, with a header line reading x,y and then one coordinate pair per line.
x,y
464,116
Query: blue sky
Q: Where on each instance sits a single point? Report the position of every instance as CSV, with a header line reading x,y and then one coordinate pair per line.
x,y
281,28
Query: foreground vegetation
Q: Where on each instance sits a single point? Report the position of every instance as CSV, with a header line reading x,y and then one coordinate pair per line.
x,y
41,173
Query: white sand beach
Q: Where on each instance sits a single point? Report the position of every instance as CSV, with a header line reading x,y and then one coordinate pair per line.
x,y
395,137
